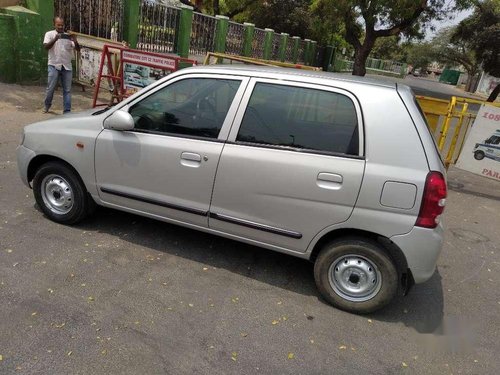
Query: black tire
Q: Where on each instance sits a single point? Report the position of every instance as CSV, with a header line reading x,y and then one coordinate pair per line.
x,y
479,155
362,262
74,207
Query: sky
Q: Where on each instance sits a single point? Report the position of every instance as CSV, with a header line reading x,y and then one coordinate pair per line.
x,y
447,23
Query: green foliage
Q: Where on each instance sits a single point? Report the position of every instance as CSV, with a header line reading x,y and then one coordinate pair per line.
x,y
454,52
420,55
366,21
481,32
288,16
389,48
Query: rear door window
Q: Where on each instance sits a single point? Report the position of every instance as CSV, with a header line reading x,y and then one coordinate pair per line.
x,y
300,118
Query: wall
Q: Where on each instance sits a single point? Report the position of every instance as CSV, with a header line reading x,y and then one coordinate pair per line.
x,y
27,58
7,48
22,57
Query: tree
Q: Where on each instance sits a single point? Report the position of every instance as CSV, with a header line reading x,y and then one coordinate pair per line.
x,y
482,31
420,55
456,52
389,48
367,20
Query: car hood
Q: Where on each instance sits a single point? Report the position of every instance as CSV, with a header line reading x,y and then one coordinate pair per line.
x,y
88,119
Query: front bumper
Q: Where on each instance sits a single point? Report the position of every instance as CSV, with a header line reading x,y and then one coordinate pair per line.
x,y
24,156
421,247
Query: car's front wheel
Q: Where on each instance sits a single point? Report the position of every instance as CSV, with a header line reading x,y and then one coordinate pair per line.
x,y
479,155
60,193
356,274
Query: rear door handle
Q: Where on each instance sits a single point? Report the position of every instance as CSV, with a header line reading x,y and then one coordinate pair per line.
x,y
191,159
331,181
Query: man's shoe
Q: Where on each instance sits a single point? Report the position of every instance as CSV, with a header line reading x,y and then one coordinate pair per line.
x,y
45,110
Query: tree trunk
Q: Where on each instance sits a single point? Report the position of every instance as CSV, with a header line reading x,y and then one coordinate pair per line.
x,y
216,7
471,82
360,56
494,93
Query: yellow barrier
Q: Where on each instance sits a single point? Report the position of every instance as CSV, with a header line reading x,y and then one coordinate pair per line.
x,y
449,122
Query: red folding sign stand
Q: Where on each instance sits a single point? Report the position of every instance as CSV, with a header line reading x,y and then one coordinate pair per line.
x,y
116,77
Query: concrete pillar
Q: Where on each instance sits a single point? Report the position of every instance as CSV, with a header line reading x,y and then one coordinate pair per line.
x,y
221,33
268,44
46,11
307,51
131,22
327,59
248,38
184,33
312,55
283,44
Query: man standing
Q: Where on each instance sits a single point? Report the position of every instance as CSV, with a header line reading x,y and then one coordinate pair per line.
x,y
60,46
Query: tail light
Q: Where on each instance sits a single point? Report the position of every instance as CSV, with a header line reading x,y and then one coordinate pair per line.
x,y
433,201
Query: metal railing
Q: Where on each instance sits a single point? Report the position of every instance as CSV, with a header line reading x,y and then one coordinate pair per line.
x,y
100,18
275,49
258,43
302,51
289,50
158,27
235,38
385,65
202,34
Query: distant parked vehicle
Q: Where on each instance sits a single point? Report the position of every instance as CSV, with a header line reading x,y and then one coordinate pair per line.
x,y
489,149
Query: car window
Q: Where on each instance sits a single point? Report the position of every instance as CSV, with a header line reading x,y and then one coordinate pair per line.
x,y
494,140
301,118
192,107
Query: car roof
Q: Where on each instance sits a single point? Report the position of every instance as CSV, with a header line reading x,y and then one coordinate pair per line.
x,y
259,71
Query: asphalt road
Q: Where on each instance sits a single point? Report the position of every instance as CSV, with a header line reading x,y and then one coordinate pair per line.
x,y
121,294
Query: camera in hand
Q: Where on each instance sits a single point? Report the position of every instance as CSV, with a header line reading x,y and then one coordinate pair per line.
x,y
64,36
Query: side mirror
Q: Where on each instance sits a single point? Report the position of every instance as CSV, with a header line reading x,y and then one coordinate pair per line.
x,y
119,120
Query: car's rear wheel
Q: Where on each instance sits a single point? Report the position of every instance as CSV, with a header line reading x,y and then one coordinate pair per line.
x,y
479,155
356,274
60,193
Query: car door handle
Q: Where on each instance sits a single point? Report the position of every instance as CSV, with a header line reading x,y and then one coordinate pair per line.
x,y
331,181
190,159
191,156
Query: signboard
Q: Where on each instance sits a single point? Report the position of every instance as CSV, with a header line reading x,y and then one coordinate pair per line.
x,y
143,68
89,58
481,151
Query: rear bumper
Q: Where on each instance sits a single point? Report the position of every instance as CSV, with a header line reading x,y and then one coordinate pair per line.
x,y
421,247
24,156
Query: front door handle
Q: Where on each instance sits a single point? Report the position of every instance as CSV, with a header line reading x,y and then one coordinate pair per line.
x,y
331,181
191,159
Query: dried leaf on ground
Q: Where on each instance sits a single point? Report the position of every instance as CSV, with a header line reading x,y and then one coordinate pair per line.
x,y
291,356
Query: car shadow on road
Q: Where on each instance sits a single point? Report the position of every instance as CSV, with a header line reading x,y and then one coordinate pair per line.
x,y
422,309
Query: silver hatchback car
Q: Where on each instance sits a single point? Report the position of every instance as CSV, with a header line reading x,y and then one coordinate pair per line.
x,y
332,168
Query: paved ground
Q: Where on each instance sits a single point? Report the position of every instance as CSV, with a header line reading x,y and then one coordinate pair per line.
x,y
120,294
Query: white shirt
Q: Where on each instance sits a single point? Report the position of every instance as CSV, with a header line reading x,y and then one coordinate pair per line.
x,y
61,52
